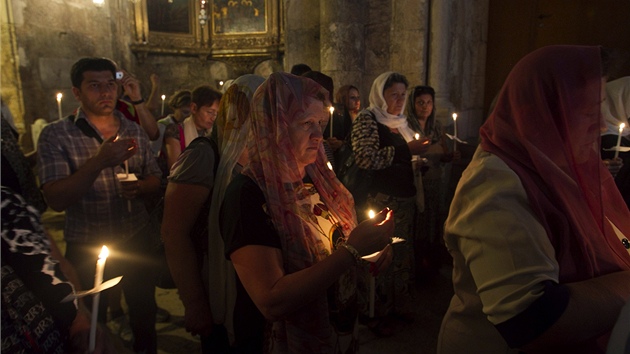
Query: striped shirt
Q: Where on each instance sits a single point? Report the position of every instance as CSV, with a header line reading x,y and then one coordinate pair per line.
x,y
102,213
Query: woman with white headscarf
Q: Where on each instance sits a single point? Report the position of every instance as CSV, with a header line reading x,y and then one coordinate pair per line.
x,y
382,141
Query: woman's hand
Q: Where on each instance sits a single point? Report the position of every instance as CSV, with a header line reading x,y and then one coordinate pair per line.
x,y
372,235
614,165
420,146
383,261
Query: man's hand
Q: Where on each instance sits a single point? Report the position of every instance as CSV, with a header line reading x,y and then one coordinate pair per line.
x,y
115,151
131,86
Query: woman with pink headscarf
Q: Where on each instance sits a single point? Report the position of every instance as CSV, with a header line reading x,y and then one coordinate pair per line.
x,y
290,228
537,228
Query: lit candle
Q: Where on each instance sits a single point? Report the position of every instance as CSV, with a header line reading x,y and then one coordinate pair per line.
x,y
331,109
329,165
59,96
163,98
417,136
454,131
372,214
621,126
98,279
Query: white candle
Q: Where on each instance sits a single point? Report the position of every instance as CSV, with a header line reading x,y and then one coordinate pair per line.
x,y
330,167
372,299
332,109
163,98
59,96
621,126
454,131
98,279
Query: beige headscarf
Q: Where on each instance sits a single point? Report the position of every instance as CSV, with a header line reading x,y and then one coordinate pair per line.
x,y
232,127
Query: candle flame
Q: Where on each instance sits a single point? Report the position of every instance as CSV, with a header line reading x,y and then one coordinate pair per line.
x,y
104,253
329,165
331,109
371,214
454,116
621,126
417,136
163,97
59,95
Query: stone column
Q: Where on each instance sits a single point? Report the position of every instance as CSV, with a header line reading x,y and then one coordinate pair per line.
x,y
408,39
439,50
301,33
342,41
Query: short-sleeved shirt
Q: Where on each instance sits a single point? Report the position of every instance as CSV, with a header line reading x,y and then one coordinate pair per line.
x,y
195,166
243,219
102,213
503,261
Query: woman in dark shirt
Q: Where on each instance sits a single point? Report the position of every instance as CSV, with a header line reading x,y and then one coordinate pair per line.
x,y
383,142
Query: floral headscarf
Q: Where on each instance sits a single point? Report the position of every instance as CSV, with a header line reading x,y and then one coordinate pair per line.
x,y
279,100
546,128
231,127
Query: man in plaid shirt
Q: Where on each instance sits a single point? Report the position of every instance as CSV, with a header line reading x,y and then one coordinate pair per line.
x,y
79,159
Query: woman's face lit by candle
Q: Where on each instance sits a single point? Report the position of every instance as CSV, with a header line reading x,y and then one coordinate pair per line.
x,y
395,96
423,105
305,132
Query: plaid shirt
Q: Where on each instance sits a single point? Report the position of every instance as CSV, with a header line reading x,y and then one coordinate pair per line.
x,y
102,214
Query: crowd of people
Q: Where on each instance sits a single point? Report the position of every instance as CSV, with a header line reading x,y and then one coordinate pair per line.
x,y
271,253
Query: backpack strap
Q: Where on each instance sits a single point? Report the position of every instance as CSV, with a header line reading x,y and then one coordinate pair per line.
x,y
85,128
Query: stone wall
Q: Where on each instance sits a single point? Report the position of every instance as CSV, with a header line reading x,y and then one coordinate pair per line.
x,y
352,41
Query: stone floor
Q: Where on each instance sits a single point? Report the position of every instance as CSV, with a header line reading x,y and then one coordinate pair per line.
x,y
428,305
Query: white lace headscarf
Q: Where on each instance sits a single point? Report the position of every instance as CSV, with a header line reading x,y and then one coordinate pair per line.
x,y
378,106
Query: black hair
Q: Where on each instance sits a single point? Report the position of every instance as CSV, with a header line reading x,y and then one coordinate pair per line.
x,y
205,96
299,69
323,80
395,78
90,64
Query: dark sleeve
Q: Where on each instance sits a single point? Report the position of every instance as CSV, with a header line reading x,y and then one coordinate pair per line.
x,y
26,249
537,318
243,220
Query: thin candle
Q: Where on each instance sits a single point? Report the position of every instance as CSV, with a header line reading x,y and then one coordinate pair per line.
x,y
621,126
98,279
372,299
163,98
454,131
59,96
331,109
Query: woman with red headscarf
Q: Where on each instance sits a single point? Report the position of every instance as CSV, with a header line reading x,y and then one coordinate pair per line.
x,y
537,228
290,228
